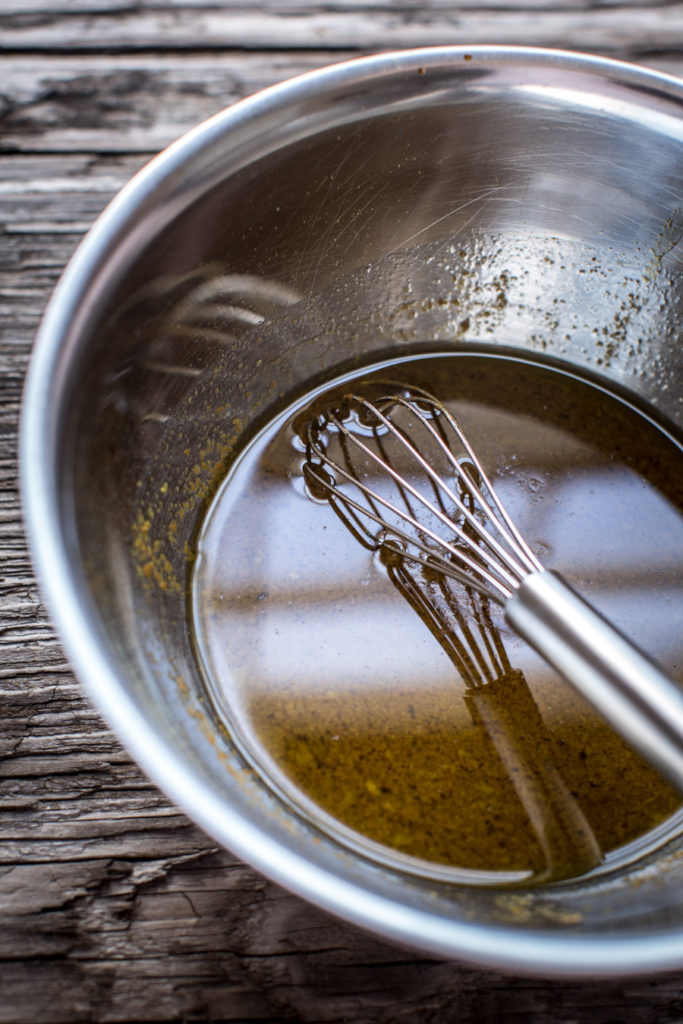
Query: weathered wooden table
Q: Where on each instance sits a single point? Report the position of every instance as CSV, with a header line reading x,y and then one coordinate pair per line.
x,y
114,906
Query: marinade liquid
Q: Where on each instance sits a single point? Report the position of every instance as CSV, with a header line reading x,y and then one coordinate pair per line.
x,y
334,680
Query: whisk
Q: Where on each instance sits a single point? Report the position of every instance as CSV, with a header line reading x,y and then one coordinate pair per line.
x,y
433,501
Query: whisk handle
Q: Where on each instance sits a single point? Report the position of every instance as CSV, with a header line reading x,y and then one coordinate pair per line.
x,y
634,696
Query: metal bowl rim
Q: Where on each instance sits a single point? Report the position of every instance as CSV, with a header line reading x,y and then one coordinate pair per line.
x,y
531,952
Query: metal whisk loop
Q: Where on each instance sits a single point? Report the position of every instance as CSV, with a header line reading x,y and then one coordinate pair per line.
x,y
502,521
504,582
415,550
496,564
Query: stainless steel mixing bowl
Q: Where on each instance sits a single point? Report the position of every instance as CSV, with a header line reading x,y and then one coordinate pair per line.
x,y
499,196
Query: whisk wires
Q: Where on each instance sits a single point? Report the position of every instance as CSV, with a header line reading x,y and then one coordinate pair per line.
x,y
441,507
461,624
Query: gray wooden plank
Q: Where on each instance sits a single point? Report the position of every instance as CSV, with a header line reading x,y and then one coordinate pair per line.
x,y
126,103
627,27
307,7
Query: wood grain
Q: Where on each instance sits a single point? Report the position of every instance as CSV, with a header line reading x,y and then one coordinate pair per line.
x,y
127,103
114,906
626,28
